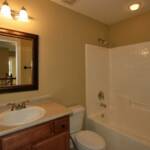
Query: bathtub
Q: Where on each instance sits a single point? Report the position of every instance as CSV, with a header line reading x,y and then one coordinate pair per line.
x,y
117,137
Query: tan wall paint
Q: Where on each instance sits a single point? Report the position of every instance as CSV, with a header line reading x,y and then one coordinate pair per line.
x,y
26,59
133,30
63,34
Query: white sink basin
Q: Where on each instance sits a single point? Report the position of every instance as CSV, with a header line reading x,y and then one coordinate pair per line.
x,y
21,117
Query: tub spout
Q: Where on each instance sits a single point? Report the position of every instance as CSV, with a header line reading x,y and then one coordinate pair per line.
x,y
103,105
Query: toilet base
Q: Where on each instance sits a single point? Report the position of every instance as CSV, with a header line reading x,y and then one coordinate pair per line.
x,y
83,141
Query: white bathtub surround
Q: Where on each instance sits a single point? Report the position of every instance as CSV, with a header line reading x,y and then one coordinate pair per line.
x,y
130,87
123,73
130,72
97,77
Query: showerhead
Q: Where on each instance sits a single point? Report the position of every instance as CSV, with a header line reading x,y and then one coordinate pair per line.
x,y
103,43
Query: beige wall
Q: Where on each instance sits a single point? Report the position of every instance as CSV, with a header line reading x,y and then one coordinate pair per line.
x,y
63,35
26,60
133,30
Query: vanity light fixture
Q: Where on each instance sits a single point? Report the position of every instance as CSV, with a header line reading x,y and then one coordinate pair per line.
x,y
21,15
135,6
5,9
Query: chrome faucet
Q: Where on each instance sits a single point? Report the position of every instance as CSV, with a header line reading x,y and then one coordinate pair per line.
x,y
18,106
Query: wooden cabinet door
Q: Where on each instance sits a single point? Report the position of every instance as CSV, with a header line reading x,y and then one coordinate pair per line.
x,y
28,147
23,139
59,142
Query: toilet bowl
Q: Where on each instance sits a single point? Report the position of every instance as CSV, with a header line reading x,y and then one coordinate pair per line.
x,y
84,139
89,140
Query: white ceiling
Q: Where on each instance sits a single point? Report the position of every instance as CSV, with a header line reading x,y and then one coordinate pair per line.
x,y
106,11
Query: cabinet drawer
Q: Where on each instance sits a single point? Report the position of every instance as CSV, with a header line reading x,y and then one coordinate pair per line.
x,y
58,142
61,125
28,147
26,137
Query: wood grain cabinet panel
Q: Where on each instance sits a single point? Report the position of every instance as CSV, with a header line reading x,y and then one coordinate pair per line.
x,y
53,135
59,142
28,147
61,125
26,137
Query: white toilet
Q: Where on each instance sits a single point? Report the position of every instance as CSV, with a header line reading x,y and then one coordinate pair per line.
x,y
84,139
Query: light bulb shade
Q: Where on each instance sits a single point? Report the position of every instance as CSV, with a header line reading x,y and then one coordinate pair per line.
x,y
5,10
135,7
23,15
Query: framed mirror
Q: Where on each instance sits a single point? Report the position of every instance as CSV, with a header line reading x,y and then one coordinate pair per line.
x,y
18,61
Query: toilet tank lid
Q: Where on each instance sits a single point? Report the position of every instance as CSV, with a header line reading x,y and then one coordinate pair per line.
x,y
77,109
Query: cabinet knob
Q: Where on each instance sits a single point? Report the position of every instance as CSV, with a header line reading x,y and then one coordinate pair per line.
x,y
63,126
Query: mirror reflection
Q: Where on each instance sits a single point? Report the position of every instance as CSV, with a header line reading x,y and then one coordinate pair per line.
x,y
15,61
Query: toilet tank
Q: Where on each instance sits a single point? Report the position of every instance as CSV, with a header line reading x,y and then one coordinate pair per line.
x,y
76,119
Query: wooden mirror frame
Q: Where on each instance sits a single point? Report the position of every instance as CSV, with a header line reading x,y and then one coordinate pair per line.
x,y
35,51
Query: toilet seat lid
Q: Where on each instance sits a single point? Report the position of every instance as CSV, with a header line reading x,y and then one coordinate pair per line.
x,y
90,140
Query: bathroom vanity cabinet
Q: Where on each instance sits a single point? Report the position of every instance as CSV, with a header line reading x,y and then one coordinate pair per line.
x,y
53,135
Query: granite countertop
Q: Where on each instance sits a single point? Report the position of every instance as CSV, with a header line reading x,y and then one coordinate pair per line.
x,y
53,111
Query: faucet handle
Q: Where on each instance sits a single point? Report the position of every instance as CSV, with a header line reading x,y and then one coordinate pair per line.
x,y
12,106
24,103
101,96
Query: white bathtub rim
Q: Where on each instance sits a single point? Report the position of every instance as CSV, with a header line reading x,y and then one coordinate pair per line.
x,y
144,140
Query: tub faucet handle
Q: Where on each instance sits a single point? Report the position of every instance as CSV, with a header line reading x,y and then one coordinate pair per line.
x,y
101,96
